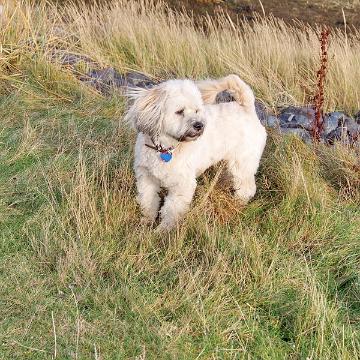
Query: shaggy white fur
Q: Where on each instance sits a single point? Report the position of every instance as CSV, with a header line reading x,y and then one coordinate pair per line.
x,y
180,115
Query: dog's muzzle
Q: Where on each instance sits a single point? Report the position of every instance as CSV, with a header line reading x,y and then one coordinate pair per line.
x,y
196,130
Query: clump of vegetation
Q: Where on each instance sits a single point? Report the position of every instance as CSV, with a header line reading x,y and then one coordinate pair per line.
x,y
81,278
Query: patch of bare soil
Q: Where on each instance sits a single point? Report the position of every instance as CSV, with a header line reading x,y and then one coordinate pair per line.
x,y
329,12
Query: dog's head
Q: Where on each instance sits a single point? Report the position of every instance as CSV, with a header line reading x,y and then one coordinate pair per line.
x,y
173,108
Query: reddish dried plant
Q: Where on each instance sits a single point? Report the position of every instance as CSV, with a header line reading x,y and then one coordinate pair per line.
x,y
321,74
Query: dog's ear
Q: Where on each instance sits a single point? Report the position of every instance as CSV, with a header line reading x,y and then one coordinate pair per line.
x,y
146,112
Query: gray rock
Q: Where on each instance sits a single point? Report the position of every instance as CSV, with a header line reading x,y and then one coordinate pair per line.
x,y
70,59
302,133
106,79
352,128
347,130
339,134
357,117
224,97
340,116
107,76
297,117
136,79
261,112
273,121
330,123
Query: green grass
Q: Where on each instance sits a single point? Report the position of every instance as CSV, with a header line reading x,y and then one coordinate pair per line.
x,y
82,279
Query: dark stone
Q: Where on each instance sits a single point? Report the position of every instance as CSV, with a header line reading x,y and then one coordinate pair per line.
x,y
244,8
340,117
339,134
273,122
302,133
347,130
69,59
352,128
106,79
297,117
107,76
261,112
330,123
357,117
224,97
103,80
136,79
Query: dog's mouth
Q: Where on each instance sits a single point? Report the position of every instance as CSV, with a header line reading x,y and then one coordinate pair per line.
x,y
191,135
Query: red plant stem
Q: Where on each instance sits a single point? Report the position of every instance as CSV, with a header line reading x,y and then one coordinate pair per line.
x,y
321,74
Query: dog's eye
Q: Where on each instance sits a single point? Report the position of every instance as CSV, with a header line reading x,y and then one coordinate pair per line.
x,y
180,112
196,111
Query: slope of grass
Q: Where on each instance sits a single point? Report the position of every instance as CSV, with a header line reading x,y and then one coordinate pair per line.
x,y
81,278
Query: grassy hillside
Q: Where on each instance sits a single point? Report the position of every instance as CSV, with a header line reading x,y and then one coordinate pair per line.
x,y
82,279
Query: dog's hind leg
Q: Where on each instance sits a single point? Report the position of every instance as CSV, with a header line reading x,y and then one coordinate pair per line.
x,y
243,174
148,195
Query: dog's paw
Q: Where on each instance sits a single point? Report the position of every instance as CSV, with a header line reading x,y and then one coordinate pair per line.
x,y
242,201
165,227
162,230
244,195
146,221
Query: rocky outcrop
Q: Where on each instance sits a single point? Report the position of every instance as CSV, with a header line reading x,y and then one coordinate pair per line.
x,y
107,79
336,126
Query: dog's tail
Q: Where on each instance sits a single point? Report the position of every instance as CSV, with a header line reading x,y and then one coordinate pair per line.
x,y
241,91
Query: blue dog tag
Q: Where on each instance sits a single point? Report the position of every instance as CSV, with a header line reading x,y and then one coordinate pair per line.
x,y
166,156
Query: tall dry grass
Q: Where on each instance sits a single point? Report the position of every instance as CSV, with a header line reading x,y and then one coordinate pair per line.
x,y
278,60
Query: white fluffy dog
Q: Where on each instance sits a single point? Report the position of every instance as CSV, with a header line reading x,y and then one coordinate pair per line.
x,y
181,133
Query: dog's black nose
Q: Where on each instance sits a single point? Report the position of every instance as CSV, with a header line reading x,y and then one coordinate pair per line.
x,y
198,125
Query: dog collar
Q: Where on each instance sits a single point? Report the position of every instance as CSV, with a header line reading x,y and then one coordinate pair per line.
x,y
165,153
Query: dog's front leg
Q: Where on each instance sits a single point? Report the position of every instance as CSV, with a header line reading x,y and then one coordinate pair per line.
x,y
176,204
148,195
